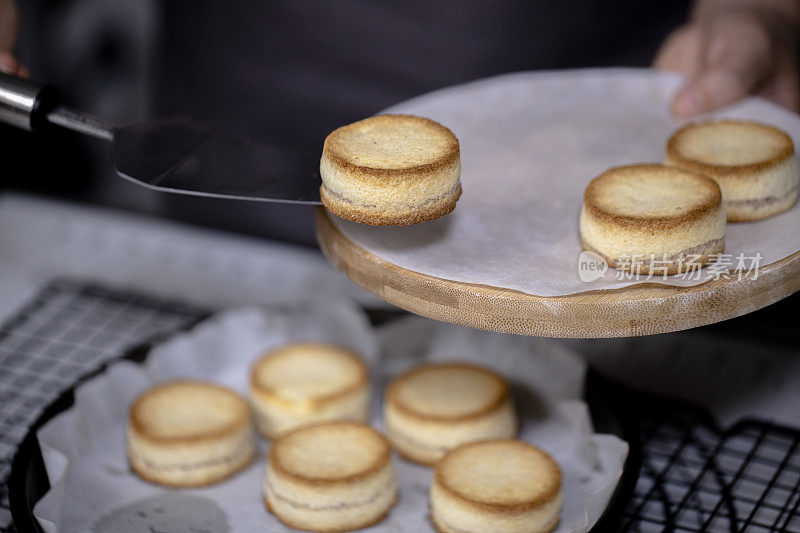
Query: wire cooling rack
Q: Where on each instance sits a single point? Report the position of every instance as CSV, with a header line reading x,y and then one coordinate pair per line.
x,y
693,476
68,330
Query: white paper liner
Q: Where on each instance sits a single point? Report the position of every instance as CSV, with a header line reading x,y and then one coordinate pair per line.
x,y
530,143
93,489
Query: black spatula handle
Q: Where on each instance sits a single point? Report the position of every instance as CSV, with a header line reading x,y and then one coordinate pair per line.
x,y
29,105
25,103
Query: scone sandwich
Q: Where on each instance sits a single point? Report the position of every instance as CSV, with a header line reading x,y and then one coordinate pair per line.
x,y
391,170
503,486
189,433
754,164
303,383
334,476
653,219
437,407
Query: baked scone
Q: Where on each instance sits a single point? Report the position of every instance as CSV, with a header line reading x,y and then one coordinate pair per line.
x,y
437,407
754,164
391,170
653,218
504,486
303,383
189,433
334,476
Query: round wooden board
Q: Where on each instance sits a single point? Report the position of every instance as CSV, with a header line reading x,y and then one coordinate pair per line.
x,y
641,309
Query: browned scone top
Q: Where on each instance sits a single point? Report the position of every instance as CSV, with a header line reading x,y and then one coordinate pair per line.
x,y
391,170
504,476
612,196
353,150
753,163
313,358
666,218
729,147
494,392
304,455
157,415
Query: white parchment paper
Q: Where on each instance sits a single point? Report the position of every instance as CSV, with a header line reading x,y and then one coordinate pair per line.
x,y
93,489
530,143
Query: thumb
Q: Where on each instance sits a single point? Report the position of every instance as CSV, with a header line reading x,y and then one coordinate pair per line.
x,y
735,57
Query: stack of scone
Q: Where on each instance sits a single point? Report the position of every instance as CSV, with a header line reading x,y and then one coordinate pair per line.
x,y
327,470
665,219
461,418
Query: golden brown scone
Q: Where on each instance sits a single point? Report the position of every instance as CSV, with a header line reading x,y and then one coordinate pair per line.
x,y
304,383
391,170
334,476
503,486
754,164
189,433
663,219
437,407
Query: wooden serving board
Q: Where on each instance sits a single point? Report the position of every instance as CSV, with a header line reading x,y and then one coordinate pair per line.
x,y
641,309
507,258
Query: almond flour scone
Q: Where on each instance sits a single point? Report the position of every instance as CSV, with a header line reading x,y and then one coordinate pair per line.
x,y
496,486
189,433
334,476
303,383
436,407
653,218
391,170
754,164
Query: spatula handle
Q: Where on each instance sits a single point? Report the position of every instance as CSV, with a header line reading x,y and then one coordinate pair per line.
x,y
25,103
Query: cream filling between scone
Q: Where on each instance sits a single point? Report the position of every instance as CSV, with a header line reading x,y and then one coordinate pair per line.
x,y
393,191
389,486
245,447
615,241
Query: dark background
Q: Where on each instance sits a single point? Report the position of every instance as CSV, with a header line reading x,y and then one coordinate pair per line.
x,y
288,71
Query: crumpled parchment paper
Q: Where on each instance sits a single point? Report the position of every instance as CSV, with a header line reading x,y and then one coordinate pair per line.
x,y
530,143
93,489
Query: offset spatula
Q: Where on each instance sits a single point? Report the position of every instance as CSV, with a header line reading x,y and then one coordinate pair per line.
x,y
177,155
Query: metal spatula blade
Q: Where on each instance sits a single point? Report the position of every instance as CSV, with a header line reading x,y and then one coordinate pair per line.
x,y
191,158
179,156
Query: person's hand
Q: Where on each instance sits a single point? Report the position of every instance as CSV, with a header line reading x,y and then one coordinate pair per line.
x,y
731,49
8,39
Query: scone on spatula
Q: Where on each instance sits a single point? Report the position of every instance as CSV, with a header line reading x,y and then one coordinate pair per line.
x,y
391,170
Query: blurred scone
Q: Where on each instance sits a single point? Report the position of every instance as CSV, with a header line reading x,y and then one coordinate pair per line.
x,y
503,486
435,408
303,383
334,476
653,218
189,433
754,164
391,170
